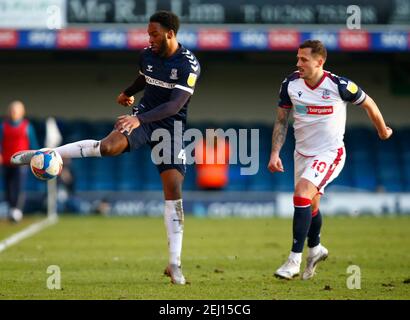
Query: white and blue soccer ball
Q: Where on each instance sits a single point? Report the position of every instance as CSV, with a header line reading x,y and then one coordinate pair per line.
x,y
46,164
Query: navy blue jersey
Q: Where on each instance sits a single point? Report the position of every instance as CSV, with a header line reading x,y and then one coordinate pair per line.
x,y
162,75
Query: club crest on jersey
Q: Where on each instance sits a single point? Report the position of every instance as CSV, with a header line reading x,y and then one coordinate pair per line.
x,y
326,94
173,74
299,93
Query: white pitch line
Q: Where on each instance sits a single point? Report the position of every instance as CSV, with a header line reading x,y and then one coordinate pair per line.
x,y
27,232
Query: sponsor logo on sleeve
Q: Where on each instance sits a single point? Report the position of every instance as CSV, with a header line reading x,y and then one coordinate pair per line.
x,y
191,79
352,87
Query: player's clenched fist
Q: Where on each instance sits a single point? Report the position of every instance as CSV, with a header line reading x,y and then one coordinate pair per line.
x,y
275,163
387,134
124,100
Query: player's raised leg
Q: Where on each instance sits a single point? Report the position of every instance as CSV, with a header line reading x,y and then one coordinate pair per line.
x,y
172,181
114,144
302,199
317,252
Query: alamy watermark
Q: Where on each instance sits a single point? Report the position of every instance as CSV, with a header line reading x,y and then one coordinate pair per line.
x,y
354,19
354,280
54,280
54,20
243,147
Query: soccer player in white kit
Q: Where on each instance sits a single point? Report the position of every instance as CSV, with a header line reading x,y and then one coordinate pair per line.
x,y
317,99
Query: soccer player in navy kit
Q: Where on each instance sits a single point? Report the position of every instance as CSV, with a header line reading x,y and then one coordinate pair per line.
x,y
168,74
317,100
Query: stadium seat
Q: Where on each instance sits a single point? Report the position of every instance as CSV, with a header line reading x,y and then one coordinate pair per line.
x,y
237,182
103,173
372,164
129,172
389,166
150,176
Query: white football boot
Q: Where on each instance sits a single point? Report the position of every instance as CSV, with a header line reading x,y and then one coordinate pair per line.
x,y
23,157
312,261
288,270
175,273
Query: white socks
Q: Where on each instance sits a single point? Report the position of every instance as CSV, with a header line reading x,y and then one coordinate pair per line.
x,y
80,149
313,251
296,256
174,223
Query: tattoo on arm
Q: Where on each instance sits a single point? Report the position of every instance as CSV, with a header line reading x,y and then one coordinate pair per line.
x,y
280,129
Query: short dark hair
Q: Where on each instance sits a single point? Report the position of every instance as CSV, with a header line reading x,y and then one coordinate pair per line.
x,y
166,19
316,46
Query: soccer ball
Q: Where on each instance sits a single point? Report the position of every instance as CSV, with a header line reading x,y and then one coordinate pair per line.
x,y
46,164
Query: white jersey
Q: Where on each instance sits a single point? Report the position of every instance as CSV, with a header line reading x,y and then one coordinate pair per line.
x,y
319,112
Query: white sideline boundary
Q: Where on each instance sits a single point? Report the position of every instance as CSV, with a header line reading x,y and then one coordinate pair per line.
x,y
28,232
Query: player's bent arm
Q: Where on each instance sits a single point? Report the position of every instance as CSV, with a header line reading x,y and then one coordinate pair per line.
x,y
376,117
137,86
278,139
280,129
177,100
126,98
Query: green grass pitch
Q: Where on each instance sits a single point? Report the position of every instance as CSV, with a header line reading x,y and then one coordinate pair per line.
x,y
124,258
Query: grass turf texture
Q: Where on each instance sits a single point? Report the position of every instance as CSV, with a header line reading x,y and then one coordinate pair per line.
x,y
124,258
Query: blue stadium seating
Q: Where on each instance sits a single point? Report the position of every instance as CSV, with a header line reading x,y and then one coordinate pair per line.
x,y
371,165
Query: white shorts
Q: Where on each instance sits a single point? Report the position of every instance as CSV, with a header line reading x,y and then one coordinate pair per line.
x,y
320,169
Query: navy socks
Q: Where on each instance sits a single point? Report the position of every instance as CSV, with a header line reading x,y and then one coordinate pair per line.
x,y
314,231
301,222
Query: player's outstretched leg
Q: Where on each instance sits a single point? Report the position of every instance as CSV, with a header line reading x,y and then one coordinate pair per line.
x,y
115,143
174,222
23,157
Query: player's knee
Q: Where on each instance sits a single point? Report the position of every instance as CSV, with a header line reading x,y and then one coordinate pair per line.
x,y
302,193
107,148
305,189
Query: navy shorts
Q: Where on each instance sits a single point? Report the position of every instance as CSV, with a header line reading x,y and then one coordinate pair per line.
x,y
167,146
